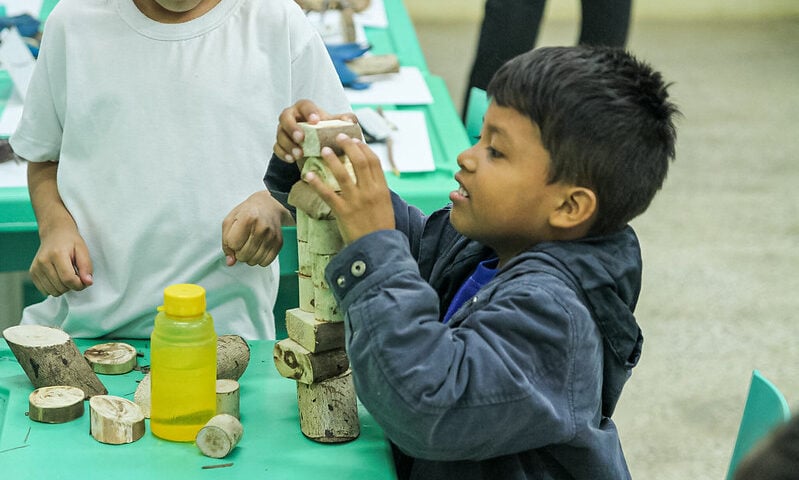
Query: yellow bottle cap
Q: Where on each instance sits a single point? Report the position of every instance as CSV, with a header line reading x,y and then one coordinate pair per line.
x,y
183,300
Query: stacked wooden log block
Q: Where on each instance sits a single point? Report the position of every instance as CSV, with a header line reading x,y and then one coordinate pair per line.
x,y
314,354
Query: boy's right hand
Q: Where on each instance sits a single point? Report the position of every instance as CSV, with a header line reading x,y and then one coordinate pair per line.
x,y
289,134
62,262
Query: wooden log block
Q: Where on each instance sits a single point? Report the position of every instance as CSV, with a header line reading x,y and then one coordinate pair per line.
x,y
319,167
348,24
296,362
326,307
305,283
305,199
304,259
312,334
320,263
324,237
232,356
227,397
49,357
115,420
141,396
302,222
114,358
374,64
219,436
329,410
323,134
56,404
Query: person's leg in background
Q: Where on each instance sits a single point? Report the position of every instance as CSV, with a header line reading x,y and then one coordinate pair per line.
x,y
509,28
605,22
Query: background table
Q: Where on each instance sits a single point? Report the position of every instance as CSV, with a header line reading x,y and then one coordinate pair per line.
x,y
272,446
428,190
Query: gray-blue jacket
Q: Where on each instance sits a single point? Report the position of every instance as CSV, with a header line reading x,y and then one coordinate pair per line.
x,y
522,380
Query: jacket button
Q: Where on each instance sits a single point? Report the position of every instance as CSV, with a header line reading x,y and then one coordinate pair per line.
x,y
358,268
341,281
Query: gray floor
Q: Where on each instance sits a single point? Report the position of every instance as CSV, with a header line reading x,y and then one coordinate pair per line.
x,y
721,242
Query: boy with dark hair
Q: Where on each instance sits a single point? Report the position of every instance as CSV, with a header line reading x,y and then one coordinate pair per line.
x,y
492,339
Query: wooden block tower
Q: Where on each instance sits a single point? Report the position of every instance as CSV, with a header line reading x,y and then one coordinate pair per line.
x,y
314,354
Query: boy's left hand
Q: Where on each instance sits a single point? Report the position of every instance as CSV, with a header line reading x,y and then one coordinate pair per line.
x,y
363,206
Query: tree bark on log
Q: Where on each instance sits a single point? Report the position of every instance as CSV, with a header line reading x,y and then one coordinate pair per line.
x,y
232,356
56,404
115,420
50,357
329,410
219,436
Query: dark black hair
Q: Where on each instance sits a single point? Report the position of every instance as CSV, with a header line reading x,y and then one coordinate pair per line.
x,y
775,457
605,119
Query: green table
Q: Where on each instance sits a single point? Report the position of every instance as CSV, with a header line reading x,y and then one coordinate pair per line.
x,y
272,447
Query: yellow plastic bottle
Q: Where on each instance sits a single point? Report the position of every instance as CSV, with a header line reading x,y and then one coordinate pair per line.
x,y
182,365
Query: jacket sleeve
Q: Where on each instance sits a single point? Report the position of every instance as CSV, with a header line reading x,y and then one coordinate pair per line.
x,y
500,382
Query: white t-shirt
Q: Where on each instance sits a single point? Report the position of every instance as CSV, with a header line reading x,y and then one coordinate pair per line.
x,y
160,130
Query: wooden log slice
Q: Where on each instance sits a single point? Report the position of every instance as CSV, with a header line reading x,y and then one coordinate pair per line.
x,y
56,404
113,358
49,357
115,420
219,436
329,410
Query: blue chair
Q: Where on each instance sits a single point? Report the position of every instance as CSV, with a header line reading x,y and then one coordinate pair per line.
x,y
765,409
478,104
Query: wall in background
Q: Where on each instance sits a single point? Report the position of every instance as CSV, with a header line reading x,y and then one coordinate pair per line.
x,y
472,10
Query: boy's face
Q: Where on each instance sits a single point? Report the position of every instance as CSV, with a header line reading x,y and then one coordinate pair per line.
x,y
504,200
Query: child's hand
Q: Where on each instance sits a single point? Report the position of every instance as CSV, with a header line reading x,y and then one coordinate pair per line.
x,y
363,207
62,262
251,232
290,135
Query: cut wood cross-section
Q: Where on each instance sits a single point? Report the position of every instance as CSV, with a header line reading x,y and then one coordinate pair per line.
x,y
56,404
49,357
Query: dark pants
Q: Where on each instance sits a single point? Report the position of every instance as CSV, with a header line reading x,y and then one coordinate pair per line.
x,y
510,28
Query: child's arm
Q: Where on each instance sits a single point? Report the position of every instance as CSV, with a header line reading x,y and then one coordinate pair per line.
x,y
62,262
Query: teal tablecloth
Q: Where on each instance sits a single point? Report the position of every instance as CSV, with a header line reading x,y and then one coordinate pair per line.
x,y
272,447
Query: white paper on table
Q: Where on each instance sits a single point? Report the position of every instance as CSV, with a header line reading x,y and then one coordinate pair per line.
x,y
331,29
13,174
374,15
20,7
412,152
407,87
17,59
